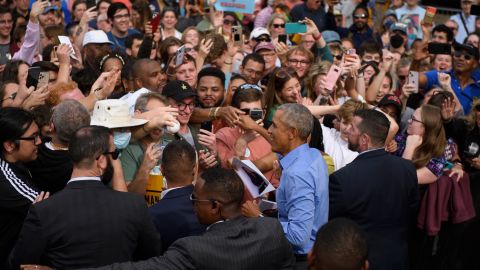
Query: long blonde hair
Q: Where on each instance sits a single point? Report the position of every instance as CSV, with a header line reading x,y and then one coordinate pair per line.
x,y
471,118
434,140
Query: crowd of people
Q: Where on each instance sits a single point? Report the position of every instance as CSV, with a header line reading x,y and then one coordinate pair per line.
x,y
123,124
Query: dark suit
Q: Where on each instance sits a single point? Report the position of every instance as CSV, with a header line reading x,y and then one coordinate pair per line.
x,y
86,225
237,244
174,217
379,192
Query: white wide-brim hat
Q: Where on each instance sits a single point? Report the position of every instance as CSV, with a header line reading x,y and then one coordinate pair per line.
x,y
114,113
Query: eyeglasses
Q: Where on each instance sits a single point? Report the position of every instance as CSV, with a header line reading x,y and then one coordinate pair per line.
x,y
229,22
121,16
183,106
360,16
12,97
338,56
115,153
34,137
413,119
298,62
466,56
276,25
193,199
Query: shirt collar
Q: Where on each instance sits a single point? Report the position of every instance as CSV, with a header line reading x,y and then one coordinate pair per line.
x,y
95,178
288,159
166,191
370,150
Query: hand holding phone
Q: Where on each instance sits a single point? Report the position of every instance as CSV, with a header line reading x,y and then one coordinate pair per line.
x,y
155,22
429,15
179,55
237,36
413,79
332,77
282,38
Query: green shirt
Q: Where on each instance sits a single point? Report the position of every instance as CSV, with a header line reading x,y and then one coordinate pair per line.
x,y
131,159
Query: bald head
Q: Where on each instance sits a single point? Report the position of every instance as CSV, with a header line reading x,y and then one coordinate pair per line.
x,y
147,73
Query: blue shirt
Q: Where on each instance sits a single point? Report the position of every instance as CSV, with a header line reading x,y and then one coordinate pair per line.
x,y
119,43
465,95
302,197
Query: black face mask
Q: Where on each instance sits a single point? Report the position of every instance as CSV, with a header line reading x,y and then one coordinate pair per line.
x,y
107,174
396,41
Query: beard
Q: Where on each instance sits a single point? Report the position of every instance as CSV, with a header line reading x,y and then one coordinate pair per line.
x,y
107,175
353,146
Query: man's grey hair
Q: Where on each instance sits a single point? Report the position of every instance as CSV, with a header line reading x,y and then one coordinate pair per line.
x,y
142,100
299,117
68,117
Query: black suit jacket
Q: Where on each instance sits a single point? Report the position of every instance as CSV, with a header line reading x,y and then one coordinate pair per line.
x,y
238,244
379,192
174,217
86,225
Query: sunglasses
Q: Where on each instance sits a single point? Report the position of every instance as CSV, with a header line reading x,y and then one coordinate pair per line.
x,y
12,97
115,153
262,40
338,56
360,16
229,22
466,56
275,25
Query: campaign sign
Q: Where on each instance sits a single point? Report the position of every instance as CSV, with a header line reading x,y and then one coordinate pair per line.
x,y
241,6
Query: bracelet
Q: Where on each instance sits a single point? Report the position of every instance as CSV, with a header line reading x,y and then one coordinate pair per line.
x,y
210,113
215,113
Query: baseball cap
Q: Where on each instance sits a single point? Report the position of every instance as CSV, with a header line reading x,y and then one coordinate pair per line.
x,y
178,90
470,49
390,99
265,46
331,36
257,32
390,12
399,27
96,37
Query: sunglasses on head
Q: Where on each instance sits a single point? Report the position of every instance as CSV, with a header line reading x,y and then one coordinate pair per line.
x,y
276,25
466,55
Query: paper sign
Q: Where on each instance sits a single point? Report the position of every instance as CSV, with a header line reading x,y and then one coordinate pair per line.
x,y
66,40
252,178
241,6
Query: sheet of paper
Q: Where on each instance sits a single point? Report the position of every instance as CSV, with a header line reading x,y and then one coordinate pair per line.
x,y
246,170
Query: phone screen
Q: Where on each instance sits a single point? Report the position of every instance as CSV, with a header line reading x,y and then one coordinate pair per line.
x,y
282,38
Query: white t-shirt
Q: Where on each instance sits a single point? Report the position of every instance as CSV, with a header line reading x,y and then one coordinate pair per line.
x,y
337,148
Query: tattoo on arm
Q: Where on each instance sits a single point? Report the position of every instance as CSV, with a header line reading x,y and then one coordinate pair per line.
x,y
79,31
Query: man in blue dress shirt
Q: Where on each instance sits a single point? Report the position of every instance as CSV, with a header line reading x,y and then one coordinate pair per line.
x,y
302,197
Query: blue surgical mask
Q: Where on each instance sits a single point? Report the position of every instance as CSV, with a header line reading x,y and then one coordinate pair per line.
x,y
121,139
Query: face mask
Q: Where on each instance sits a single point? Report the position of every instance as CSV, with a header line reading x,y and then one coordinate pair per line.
x,y
396,41
121,139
